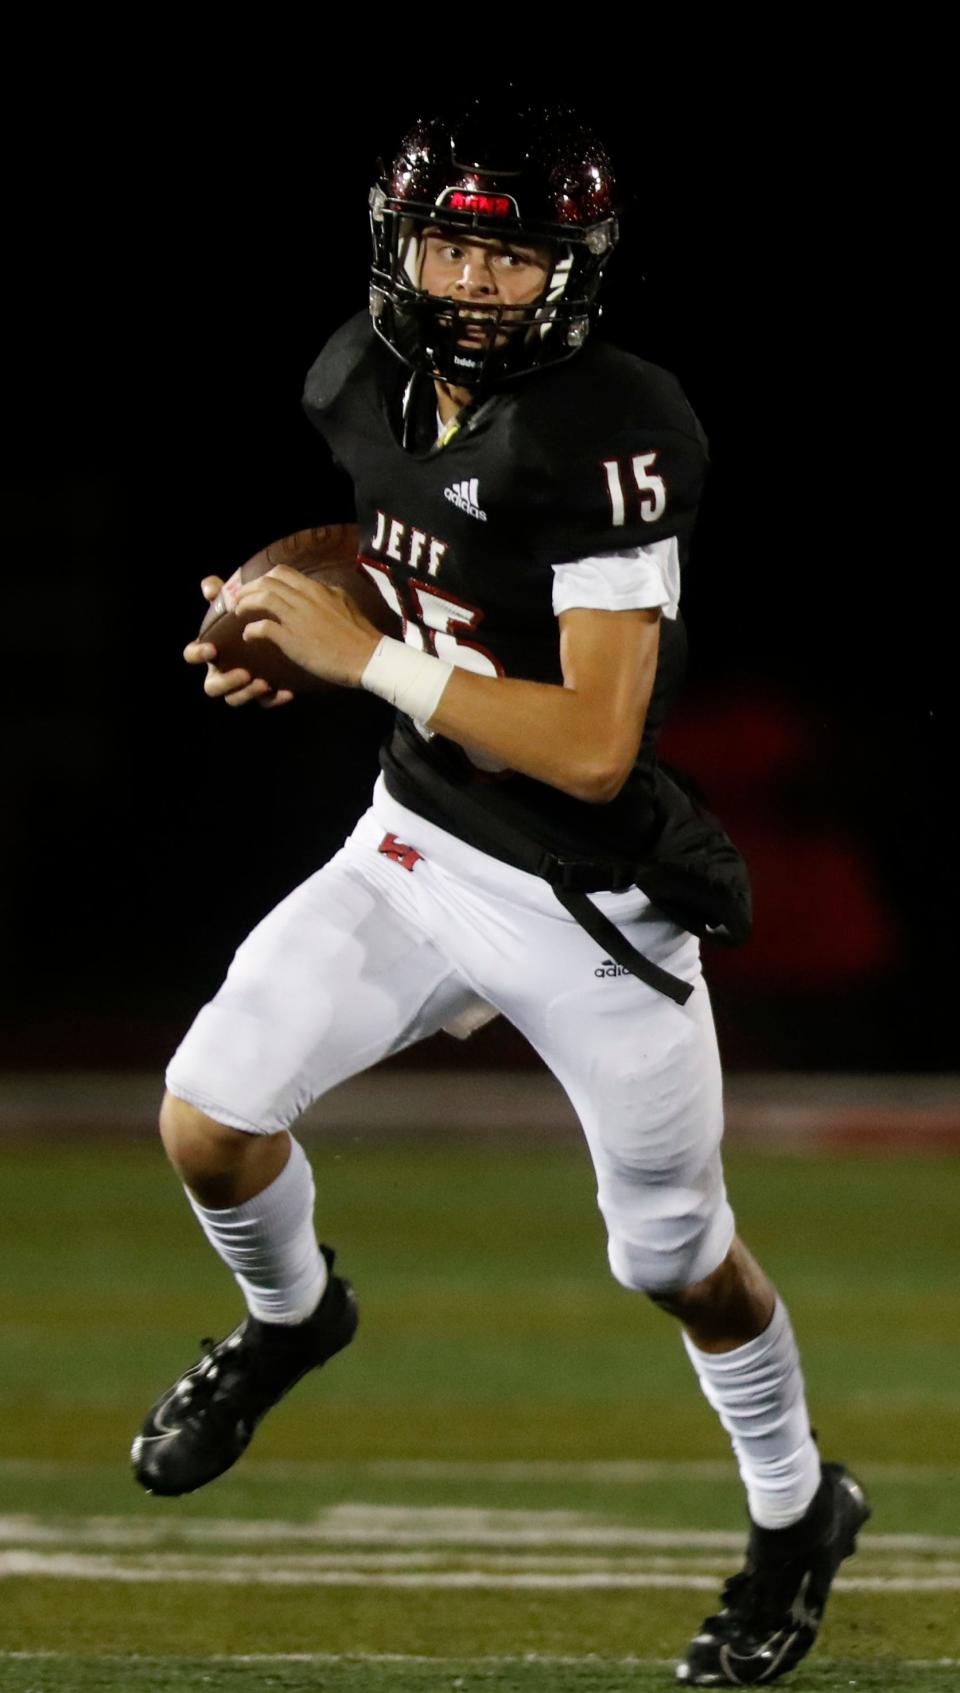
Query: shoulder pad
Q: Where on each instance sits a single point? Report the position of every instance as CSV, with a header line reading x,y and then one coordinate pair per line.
x,y
340,359
612,455
609,392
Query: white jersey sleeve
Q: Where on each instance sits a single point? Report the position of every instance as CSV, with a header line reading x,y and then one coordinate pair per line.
x,y
636,579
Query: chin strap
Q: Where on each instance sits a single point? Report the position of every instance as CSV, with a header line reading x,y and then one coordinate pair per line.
x,y
416,423
447,434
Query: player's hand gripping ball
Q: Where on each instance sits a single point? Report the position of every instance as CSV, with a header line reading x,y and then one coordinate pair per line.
x,y
332,559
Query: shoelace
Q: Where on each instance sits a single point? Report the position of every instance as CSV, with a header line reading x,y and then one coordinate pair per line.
x,y
198,1391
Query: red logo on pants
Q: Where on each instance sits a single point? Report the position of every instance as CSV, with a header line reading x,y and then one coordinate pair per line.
x,y
405,856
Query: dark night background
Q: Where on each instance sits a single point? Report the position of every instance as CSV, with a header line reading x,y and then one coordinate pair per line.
x,y
183,246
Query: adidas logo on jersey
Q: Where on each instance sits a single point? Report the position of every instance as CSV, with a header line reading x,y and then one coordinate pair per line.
x,y
608,968
464,496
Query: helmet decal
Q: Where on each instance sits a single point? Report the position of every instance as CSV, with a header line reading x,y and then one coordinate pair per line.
x,y
485,205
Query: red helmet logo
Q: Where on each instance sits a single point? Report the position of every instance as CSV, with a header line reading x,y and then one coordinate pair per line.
x,y
485,205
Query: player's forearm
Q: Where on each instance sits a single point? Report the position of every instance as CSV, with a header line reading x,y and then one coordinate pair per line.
x,y
576,742
582,737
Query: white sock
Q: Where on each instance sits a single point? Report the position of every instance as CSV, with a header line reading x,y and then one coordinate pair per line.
x,y
757,1392
270,1245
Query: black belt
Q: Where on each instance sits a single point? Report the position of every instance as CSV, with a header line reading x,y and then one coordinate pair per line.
x,y
607,935
574,875
571,879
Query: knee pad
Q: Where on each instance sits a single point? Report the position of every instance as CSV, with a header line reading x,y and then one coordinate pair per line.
x,y
670,1254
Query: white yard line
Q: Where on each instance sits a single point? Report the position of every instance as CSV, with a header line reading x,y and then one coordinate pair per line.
x,y
86,1567
371,1525
613,1471
355,1525
332,1659
424,1563
632,1471
225,1573
603,1471
504,1660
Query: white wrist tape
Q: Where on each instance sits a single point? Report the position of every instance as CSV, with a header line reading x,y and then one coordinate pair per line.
x,y
410,680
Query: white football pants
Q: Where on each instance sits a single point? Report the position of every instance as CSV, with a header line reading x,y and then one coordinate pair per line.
x,y
375,952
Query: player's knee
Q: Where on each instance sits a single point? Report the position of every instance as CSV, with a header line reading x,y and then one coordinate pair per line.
x,y
204,1153
659,1267
639,1268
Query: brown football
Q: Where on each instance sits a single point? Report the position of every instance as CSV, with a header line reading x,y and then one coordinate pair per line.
x,y
329,555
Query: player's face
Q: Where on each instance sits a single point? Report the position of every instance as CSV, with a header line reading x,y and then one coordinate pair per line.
x,y
492,272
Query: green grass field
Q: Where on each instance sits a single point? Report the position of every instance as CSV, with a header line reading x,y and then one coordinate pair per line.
x,y
509,1482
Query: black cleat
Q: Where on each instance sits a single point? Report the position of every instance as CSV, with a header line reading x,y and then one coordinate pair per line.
x,y
202,1424
772,1608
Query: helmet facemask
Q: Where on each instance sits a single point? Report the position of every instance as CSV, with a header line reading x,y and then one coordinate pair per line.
x,y
471,343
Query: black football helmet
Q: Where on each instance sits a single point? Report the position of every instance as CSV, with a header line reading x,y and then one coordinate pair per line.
x,y
534,175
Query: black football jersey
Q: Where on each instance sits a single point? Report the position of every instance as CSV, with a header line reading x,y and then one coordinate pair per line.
x,y
598,455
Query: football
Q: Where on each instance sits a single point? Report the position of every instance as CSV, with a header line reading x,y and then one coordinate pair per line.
x,y
329,555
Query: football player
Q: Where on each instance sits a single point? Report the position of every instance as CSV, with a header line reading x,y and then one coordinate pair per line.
x,y
525,498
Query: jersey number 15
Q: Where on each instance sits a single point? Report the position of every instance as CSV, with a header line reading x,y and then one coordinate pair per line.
x,y
650,488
